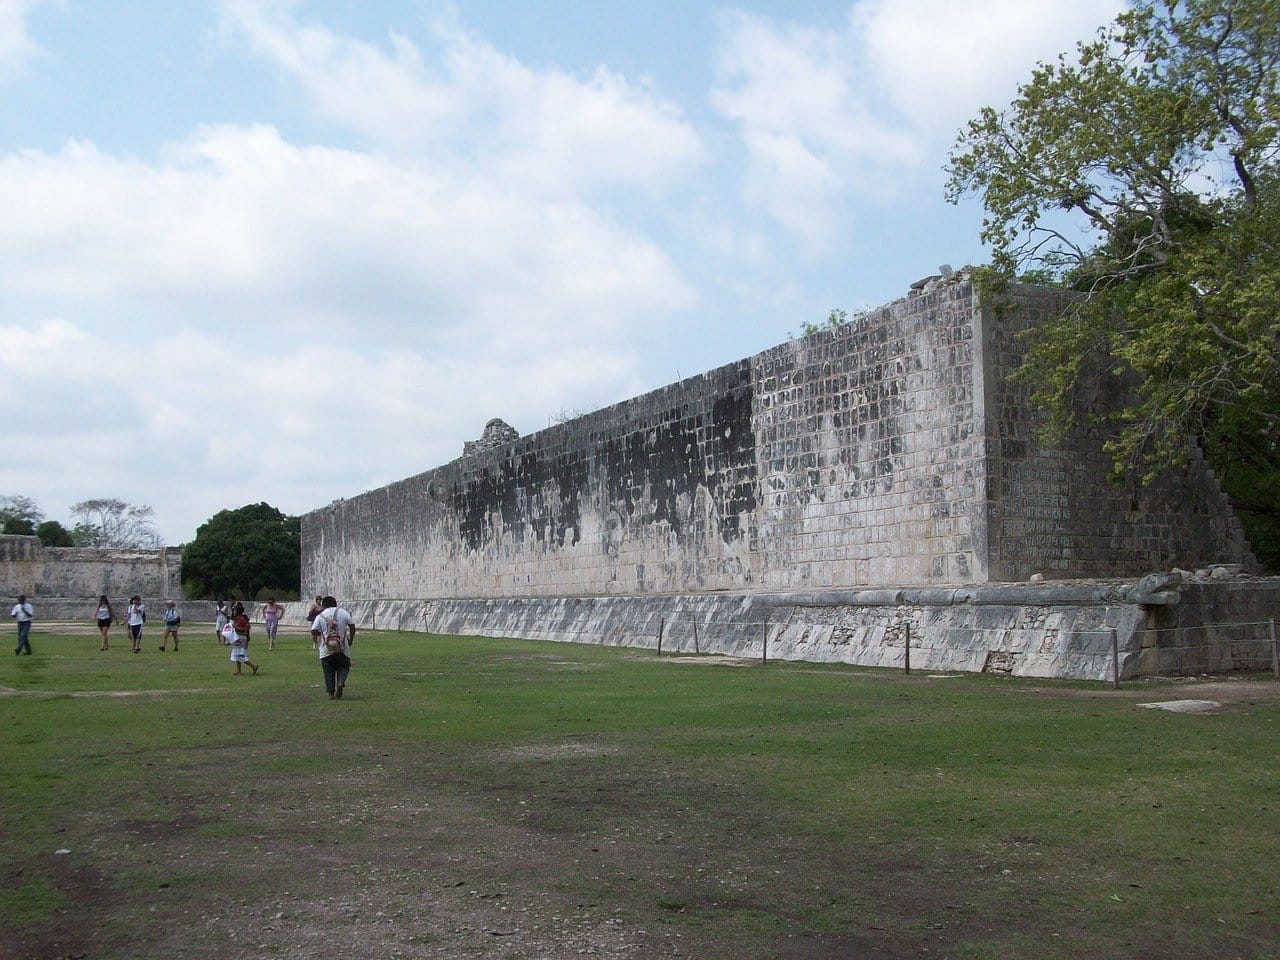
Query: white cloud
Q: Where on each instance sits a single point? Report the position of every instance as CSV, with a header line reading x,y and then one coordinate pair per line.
x,y
192,423
938,61
230,308
541,131
830,118
16,45
237,227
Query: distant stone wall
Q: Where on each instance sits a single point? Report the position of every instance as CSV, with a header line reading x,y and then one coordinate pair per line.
x,y
890,451
38,571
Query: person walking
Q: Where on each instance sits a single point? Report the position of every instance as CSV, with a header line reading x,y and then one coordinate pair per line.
x,y
334,631
24,614
137,617
172,621
271,614
317,607
105,615
221,615
240,629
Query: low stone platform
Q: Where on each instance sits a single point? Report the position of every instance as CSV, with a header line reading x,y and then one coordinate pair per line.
x,y
1164,624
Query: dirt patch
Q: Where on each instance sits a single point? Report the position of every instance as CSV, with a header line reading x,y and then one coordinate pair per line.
x,y
569,749
714,660
47,694
830,946
77,929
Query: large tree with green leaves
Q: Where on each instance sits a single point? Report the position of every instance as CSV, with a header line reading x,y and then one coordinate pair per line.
x,y
19,516
1144,174
244,552
54,534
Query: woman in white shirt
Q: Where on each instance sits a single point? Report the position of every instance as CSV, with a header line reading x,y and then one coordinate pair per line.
x,y
137,617
105,616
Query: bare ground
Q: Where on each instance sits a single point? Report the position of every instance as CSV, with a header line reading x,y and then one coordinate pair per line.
x,y
566,849
553,857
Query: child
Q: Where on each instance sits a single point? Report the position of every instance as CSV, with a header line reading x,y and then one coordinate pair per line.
x,y
172,621
240,628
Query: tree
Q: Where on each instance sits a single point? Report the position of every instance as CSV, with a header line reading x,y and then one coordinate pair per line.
x,y
243,552
110,522
1144,176
54,534
19,516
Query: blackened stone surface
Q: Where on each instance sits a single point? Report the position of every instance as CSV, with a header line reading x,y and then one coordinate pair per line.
x,y
892,451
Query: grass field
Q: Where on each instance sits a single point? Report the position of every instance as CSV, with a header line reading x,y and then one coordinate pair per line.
x,y
516,799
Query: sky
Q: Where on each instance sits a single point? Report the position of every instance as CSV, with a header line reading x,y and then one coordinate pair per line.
x,y
262,250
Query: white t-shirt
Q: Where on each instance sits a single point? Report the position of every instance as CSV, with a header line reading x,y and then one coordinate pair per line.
x,y
321,623
22,611
135,613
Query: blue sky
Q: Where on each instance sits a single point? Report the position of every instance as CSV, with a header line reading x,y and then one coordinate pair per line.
x,y
290,251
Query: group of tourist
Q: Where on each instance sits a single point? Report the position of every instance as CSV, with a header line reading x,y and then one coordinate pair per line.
x,y
333,630
136,615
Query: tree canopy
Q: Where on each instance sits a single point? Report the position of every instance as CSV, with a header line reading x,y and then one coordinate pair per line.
x,y
54,534
244,552
19,516
1143,174
111,522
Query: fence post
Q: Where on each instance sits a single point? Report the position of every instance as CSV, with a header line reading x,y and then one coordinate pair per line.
x,y
906,649
662,624
1115,659
1275,650
764,649
695,635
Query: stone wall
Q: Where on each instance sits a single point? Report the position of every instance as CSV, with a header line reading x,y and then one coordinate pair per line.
x,y
1161,625
890,451
84,610
38,571
1054,510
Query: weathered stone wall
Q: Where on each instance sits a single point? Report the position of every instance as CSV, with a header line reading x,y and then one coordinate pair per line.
x,y
847,457
38,571
869,450
1054,510
652,494
892,450
1060,630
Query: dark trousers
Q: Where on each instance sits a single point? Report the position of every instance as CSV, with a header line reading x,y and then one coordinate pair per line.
x,y
336,667
24,633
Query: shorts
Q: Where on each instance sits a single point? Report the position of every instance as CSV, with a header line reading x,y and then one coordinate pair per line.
x,y
239,655
172,627
135,631
104,623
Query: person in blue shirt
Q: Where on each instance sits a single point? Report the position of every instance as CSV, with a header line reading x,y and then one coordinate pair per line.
x,y
172,621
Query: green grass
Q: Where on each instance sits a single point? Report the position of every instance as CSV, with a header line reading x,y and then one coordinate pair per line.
x,y
789,810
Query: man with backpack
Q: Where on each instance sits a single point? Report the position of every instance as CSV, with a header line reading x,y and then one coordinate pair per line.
x,y
334,630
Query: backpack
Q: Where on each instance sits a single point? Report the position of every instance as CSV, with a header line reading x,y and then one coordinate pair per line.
x,y
332,637
241,625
